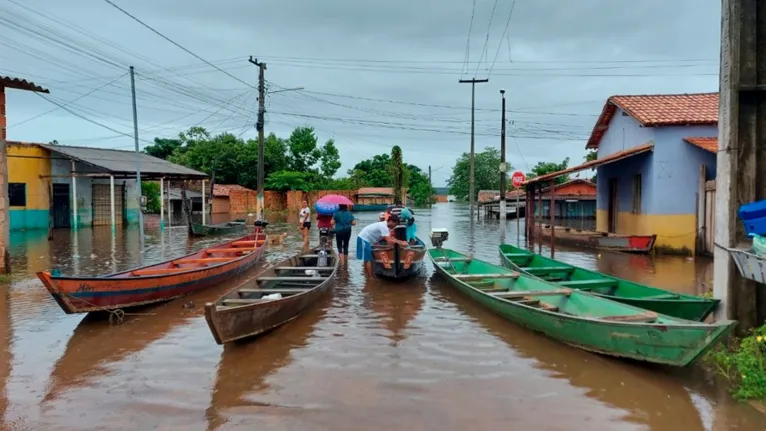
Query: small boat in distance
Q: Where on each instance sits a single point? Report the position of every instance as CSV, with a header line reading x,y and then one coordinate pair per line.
x,y
156,283
639,244
273,298
577,318
199,229
674,304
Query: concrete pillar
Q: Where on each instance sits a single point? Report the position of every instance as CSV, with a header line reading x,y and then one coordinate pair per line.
x,y
204,210
111,202
75,223
162,203
740,177
5,217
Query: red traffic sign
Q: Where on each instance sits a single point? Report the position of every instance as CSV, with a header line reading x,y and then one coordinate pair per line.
x,y
518,178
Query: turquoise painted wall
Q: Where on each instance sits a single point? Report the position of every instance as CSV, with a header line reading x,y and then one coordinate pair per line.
x,y
27,219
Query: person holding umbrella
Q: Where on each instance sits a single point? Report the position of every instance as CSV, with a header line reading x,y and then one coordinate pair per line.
x,y
330,206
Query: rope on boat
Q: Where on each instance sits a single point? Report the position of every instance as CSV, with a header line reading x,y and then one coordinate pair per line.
x,y
116,316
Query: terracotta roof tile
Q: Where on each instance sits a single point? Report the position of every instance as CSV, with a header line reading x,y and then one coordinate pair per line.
x,y
658,110
224,190
21,84
707,143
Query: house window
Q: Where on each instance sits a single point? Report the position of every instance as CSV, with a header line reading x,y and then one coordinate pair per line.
x,y
17,194
637,194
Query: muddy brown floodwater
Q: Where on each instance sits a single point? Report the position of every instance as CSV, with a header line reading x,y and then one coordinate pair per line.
x,y
371,356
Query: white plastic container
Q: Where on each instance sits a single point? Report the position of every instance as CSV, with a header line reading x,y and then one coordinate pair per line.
x,y
271,296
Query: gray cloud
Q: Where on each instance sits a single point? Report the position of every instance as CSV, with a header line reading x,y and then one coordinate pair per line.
x,y
416,48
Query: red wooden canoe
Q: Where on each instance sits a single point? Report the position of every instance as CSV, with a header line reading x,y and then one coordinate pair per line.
x,y
155,283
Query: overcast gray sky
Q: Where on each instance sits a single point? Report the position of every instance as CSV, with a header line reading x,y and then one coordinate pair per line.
x,y
558,62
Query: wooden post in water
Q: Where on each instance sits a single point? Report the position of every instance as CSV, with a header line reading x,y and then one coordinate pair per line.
x,y
539,221
553,217
740,177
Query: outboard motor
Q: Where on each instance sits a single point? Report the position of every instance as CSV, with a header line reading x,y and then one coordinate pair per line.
x,y
324,237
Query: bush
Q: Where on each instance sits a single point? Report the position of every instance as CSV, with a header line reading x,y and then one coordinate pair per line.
x,y
152,193
743,364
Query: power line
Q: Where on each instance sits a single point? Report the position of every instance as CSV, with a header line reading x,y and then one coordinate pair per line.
x,y
468,42
505,31
486,41
177,44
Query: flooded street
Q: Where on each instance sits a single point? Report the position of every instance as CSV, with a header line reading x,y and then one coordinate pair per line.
x,y
371,356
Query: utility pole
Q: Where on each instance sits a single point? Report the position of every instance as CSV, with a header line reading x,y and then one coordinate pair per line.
x,y
503,169
259,126
472,182
138,160
741,132
430,187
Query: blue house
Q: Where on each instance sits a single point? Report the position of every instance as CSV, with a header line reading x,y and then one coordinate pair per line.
x,y
655,155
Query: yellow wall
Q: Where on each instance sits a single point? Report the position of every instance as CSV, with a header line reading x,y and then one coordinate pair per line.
x,y
27,169
677,231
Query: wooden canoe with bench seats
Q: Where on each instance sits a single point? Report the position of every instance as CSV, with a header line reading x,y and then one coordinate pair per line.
x,y
580,319
156,283
273,298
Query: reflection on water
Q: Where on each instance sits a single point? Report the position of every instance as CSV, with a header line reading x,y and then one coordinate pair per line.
x,y
371,355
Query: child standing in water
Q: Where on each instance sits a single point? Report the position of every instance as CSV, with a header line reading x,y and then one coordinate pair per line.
x,y
304,222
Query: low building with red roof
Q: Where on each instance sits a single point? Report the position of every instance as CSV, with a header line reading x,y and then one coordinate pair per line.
x,y
655,155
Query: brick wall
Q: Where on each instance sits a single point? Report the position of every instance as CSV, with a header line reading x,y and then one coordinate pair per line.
x,y
243,201
294,198
221,205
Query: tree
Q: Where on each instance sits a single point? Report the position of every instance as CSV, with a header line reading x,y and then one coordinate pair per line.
x,y
303,153
397,173
487,174
329,160
163,147
420,189
152,193
372,172
543,168
591,156
291,180
232,162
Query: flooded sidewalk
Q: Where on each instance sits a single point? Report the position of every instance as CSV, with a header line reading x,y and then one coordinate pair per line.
x,y
370,356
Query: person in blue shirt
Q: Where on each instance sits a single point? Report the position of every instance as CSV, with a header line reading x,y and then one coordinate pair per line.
x,y
343,220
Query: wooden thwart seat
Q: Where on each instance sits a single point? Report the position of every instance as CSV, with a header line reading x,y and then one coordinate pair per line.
x,y
279,290
590,283
512,255
291,278
204,260
544,269
662,296
230,250
304,268
530,293
240,301
454,259
465,277
244,243
646,317
159,271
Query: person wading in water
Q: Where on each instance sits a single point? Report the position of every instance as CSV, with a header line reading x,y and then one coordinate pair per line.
x,y
373,233
304,222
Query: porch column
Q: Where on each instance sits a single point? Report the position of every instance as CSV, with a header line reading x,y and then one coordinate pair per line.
x,y
170,208
162,203
204,210
111,202
75,224
553,217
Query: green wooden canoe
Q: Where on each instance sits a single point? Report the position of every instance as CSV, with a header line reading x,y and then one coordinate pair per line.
x,y
577,318
689,307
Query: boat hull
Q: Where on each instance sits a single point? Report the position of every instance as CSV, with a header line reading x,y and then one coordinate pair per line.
x,y
229,324
393,262
674,304
582,322
121,290
640,244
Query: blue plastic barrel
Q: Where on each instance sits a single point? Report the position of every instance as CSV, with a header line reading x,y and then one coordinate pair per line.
x,y
753,215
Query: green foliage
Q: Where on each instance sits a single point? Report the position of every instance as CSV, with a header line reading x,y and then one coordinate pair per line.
x,y
329,160
302,150
291,180
225,153
591,156
420,190
543,168
372,172
487,173
163,148
397,173
152,193
743,365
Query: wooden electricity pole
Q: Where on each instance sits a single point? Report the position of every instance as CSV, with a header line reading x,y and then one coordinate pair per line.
x,y
740,177
259,126
472,180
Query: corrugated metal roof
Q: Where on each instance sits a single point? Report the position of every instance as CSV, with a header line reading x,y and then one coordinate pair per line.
x,y
21,84
124,162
